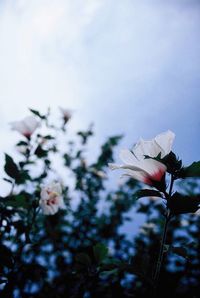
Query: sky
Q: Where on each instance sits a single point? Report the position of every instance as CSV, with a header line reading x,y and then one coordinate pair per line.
x,y
131,67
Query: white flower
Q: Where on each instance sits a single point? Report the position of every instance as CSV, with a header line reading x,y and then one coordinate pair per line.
x,y
51,198
26,127
66,113
146,170
162,143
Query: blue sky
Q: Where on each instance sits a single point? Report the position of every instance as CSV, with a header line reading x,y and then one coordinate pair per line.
x,y
131,67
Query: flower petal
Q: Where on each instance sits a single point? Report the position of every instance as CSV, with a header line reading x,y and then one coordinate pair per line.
x,y
127,157
147,169
165,141
26,126
151,166
137,175
149,148
51,198
31,124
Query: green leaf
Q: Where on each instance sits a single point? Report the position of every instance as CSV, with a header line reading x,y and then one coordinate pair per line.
x,y
107,274
191,171
85,135
13,171
158,157
172,162
37,114
181,251
48,137
110,264
40,152
100,252
11,168
22,143
20,227
83,259
6,258
179,204
147,193
115,140
67,159
17,201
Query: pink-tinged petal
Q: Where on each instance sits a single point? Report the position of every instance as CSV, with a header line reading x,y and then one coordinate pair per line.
x,y
31,124
18,126
51,198
149,170
155,177
49,209
165,141
153,174
66,112
150,166
149,148
26,127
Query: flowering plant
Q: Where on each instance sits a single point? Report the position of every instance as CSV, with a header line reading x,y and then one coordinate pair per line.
x,y
148,162
66,233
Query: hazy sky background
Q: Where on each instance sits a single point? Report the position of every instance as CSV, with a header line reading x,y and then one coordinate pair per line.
x,y
130,66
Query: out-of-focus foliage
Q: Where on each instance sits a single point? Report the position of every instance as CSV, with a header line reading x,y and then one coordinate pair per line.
x,y
82,251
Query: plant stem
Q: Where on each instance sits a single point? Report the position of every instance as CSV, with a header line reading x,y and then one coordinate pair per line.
x,y
162,246
161,253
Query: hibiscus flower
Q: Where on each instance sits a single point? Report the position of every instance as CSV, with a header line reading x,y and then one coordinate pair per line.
x,y
146,170
26,127
51,198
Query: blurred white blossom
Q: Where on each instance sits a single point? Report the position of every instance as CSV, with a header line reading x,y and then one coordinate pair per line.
x,y
51,198
66,113
26,127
